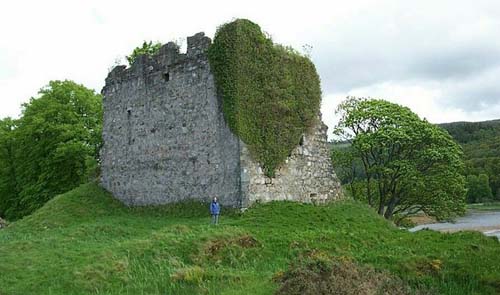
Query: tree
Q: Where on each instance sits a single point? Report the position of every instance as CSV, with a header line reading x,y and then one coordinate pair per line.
x,y
8,182
55,142
349,170
478,188
147,48
409,164
472,185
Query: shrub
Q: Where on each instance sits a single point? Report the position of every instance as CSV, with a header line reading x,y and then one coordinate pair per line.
x,y
318,274
147,48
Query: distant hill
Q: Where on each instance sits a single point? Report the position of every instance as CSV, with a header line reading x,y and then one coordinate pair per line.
x,y
465,132
481,144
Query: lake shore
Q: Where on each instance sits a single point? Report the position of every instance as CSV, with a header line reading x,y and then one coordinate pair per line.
x,y
487,222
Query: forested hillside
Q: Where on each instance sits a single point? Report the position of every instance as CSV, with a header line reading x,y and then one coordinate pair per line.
x,y
481,144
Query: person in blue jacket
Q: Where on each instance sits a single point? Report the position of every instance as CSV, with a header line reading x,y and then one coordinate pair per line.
x,y
215,210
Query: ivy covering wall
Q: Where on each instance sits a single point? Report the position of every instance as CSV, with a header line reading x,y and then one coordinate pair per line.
x,y
271,93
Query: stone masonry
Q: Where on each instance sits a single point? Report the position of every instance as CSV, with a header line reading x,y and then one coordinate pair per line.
x,y
165,139
307,175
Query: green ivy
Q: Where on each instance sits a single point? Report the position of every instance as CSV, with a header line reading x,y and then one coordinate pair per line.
x,y
271,93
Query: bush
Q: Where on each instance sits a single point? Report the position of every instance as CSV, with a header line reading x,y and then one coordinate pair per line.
x,y
318,274
147,48
271,94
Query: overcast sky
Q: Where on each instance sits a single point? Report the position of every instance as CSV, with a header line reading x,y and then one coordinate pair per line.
x,y
440,58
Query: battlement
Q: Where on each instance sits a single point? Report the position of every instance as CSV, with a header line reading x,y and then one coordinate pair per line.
x,y
168,56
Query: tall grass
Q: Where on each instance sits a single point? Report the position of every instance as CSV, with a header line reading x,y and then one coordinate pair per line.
x,y
85,242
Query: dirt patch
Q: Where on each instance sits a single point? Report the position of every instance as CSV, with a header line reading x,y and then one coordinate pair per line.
x,y
214,247
429,267
421,219
229,250
318,274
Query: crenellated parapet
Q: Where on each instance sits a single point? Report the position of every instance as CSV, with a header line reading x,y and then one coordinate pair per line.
x,y
168,58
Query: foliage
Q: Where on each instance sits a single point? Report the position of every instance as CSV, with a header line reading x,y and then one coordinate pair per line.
x,y
84,241
8,181
50,149
271,94
349,169
481,144
147,48
478,188
410,165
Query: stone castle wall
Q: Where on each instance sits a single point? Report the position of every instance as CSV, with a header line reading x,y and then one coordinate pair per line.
x,y
307,175
165,140
164,134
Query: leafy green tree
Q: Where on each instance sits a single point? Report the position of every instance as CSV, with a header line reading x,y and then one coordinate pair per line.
x,y
478,188
349,170
410,165
147,48
472,184
484,193
8,182
56,140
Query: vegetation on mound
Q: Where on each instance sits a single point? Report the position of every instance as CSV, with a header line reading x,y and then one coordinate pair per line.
x,y
271,94
85,242
51,149
318,274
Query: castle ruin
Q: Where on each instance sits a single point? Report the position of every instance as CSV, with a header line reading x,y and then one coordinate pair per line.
x,y
165,139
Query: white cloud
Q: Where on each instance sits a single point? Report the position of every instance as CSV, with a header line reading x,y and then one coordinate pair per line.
x,y
439,58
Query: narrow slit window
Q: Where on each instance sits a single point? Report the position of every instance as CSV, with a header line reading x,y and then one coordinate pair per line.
x,y
129,126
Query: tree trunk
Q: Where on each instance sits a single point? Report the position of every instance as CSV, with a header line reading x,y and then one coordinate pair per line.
x,y
381,206
390,208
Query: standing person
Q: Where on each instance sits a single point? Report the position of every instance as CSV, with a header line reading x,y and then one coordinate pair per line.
x,y
215,210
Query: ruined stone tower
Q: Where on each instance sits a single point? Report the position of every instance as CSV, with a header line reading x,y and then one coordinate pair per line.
x,y
165,139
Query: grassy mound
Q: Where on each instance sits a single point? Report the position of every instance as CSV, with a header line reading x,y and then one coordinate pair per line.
x,y
271,94
85,242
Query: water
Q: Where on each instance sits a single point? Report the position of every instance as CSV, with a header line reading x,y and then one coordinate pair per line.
x,y
493,233
487,222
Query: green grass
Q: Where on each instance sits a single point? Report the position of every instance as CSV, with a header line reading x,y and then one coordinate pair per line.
x,y
491,206
85,242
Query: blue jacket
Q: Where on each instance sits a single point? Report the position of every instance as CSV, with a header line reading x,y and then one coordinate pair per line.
x,y
214,208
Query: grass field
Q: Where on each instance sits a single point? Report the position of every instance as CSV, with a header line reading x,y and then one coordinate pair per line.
x,y
492,206
85,242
